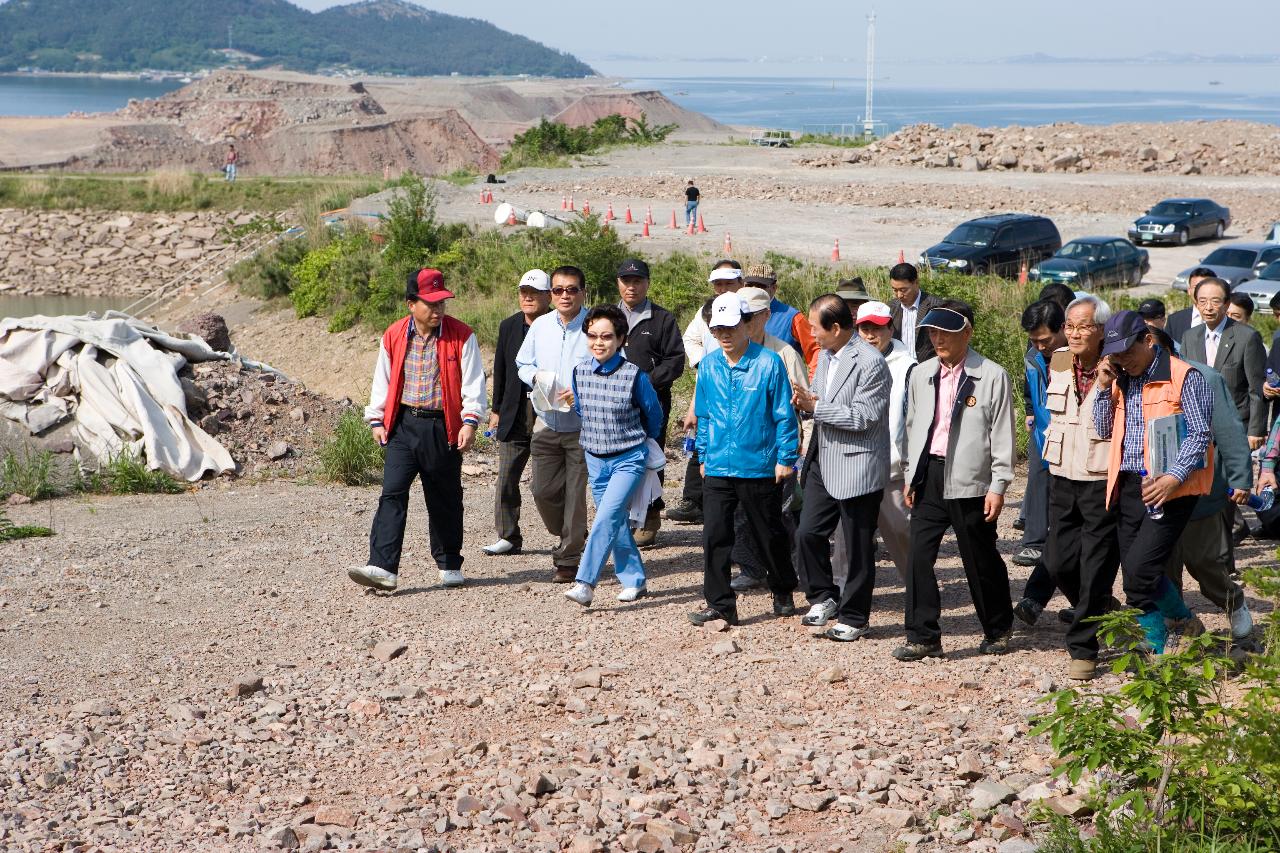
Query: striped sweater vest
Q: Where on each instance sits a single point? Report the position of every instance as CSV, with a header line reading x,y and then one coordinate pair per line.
x,y
610,420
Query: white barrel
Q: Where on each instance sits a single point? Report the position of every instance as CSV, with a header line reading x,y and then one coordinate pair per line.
x,y
538,219
503,212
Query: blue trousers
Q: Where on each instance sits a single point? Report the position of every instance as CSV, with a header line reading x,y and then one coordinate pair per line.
x,y
613,479
690,211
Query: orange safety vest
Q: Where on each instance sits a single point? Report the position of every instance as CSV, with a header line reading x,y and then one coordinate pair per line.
x,y
1161,396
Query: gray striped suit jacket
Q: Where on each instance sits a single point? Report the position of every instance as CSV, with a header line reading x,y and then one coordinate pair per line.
x,y
851,421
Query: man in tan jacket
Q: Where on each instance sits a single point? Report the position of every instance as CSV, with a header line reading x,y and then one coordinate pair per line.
x,y
960,450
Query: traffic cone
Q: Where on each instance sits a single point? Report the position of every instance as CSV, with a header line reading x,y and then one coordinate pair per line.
x,y
628,220
645,232
571,202
564,202
1022,273
673,224
648,215
835,251
728,244
511,218
902,257
586,208
690,230
702,228
482,196
608,213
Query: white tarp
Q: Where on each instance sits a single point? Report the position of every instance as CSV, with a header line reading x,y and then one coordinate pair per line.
x,y
52,368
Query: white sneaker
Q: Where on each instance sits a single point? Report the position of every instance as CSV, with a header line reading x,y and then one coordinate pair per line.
x,y
451,578
581,593
631,593
373,576
1241,622
843,633
497,549
820,613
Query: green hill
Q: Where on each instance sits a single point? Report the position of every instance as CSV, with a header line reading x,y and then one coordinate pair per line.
x,y
383,36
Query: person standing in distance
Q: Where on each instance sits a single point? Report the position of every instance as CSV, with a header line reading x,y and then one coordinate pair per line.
x,y
908,307
427,398
511,420
845,468
691,198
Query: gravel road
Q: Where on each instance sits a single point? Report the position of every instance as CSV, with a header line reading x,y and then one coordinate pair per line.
x,y
196,672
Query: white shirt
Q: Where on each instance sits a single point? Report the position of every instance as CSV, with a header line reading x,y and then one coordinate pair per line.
x,y
1213,337
909,323
1196,319
832,366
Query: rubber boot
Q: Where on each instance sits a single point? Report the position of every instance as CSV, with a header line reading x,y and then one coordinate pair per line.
x,y
1157,634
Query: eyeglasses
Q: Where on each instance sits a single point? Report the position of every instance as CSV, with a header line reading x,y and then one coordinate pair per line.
x,y
605,337
1212,302
572,291
1082,329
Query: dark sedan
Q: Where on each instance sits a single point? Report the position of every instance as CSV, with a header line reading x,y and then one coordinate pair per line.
x,y
1094,262
1180,220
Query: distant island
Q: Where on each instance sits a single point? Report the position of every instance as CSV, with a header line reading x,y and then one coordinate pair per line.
x,y
372,37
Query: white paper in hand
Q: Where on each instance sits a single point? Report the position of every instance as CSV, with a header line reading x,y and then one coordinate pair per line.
x,y
546,392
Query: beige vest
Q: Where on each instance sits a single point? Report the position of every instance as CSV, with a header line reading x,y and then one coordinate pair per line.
x,y
1071,444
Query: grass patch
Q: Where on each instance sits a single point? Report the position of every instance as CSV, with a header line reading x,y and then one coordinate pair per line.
x,y
170,190
833,140
459,177
552,143
351,456
127,474
10,531
31,475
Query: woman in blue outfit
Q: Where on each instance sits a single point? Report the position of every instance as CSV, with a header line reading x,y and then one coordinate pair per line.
x,y
620,413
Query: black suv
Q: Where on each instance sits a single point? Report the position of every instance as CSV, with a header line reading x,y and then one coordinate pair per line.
x,y
998,244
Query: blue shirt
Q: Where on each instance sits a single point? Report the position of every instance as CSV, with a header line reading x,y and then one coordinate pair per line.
x,y
1197,408
1037,387
551,345
746,424
643,397
781,316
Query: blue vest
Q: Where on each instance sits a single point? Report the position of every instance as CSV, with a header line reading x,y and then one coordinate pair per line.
x,y
781,316
610,419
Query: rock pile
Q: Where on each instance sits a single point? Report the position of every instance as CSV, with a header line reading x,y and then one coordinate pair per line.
x,y
268,424
1185,148
104,254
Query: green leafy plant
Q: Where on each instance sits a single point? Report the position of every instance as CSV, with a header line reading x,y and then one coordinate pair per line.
x,y
1180,749
351,456
10,531
126,473
551,143
31,475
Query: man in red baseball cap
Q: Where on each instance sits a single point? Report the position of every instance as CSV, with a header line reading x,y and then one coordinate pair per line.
x,y
427,400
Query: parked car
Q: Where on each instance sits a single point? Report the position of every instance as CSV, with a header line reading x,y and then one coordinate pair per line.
x,y
1273,236
1233,263
1181,220
1262,288
1094,262
998,244
772,138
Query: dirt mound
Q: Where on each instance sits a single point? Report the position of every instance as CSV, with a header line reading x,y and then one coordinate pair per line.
x,y
1181,148
654,106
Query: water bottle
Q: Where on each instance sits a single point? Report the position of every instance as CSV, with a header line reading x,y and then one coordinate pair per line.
x,y
1155,513
1260,502
488,433
1273,380
688,443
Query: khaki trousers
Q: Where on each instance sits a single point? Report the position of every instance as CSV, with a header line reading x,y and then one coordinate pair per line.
x,y
560,490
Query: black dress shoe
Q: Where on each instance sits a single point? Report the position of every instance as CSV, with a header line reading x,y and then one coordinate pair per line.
x,y
710,614
911,652
1019,524
783,604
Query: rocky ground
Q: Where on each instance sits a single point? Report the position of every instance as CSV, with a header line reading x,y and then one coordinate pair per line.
x,y
196,672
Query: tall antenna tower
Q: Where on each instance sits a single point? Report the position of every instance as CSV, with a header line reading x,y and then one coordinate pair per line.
x,y
868,117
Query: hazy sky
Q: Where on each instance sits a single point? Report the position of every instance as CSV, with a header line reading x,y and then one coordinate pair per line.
x,y
612,36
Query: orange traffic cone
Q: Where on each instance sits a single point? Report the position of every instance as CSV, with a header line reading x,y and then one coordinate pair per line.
x,y
648,215
586,208
608,214
1022,273
628,218
511,218
571,202
482,196
902,257
702,228
835,251
673,224
690,231
645,232
728,244
564,202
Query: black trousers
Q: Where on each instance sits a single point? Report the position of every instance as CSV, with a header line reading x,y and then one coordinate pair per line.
x,y
818,519
1146,542
1035,501
759,498
419,445
984,568
1082,556
692,491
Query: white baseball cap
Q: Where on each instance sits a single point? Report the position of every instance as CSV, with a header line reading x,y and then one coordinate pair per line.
x,y
755,299
725,274
536,279
874,312
727,311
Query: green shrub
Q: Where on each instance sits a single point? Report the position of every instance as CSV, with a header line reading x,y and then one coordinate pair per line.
x,y
127,474
550,143
1185,750
351,456
10,531
269,273
31,475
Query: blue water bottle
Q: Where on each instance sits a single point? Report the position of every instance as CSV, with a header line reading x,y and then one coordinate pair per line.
x,y
1260,502
1155,513
687,450
1273,380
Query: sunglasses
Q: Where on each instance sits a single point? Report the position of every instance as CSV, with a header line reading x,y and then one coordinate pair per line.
x,y
572,291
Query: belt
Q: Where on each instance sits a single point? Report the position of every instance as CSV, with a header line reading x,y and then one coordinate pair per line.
x,y
424,413
939,460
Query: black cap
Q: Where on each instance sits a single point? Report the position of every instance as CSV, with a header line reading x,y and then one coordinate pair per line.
x,y
633,266
1121,331
944,319
1151,309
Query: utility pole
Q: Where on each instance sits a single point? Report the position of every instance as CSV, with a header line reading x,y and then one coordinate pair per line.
x,y
229,36
868,117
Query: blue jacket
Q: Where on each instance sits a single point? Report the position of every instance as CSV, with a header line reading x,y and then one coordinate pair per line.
x,y
781,316
746,424
1036,387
